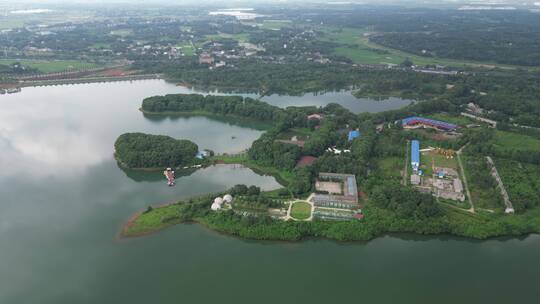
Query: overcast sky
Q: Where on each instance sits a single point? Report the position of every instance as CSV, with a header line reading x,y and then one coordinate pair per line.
x,y
247,2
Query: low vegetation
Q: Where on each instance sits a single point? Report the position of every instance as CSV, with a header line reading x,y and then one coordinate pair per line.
x,y
300,210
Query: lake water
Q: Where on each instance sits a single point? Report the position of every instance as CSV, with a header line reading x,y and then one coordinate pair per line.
x,y
63,200
344,98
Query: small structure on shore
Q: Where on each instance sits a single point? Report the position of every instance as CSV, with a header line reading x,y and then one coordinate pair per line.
x,y
169,174
220,202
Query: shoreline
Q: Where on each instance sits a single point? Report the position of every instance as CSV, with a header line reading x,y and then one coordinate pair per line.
x,y
251,123
123,234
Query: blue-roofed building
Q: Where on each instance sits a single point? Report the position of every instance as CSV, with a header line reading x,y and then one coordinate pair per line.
x,y
353,134
415,154
416,121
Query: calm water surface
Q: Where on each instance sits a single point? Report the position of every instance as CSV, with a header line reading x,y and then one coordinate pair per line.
x,y
63,200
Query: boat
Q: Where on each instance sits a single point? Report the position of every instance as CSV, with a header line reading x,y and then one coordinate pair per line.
x,y
169,174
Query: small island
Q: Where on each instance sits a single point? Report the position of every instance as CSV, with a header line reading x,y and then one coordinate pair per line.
x,y
146,151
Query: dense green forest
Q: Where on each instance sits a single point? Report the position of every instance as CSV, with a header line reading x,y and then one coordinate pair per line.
x,y
211,104
138,150
508,97
510,37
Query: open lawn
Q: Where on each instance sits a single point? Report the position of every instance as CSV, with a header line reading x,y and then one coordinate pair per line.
x,y
187,48
156,219
52,66
301,210
301,134
513,141
482,185
357,47
391,167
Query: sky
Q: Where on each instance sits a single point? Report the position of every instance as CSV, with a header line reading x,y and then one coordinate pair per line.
x,y
247,2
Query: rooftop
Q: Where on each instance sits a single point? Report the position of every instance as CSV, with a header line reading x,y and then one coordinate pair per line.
x,y
414,120
353,134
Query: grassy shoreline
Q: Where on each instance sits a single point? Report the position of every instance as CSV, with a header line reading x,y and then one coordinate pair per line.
x,y
378,223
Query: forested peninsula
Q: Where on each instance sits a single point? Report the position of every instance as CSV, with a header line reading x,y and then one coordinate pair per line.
x,y
212,105
146,151
376,158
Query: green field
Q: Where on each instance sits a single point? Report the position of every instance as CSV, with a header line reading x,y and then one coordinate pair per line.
x,y
522,182
482,185
357,47
52,66
156,219
301,210
10,21
275,24
508,141
242,37
390,167
301,134
187,48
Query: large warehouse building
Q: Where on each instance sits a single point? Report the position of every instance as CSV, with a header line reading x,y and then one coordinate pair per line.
x,y
415,155
415,122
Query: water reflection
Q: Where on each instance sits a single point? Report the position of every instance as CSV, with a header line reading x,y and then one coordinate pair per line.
x,y
232,121
64,130
154,176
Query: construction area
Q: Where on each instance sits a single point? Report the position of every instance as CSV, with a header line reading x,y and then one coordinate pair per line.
x,y
436,171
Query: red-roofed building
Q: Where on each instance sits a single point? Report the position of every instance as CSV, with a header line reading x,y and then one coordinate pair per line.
x,y
306,161
316,116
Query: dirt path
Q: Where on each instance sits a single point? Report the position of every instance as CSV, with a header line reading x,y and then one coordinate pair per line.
x,y
465,183
406,170
495,174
